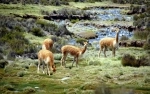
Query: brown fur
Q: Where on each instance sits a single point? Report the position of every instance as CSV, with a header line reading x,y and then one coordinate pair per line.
x,y
72,50
108,42
47,44
45,57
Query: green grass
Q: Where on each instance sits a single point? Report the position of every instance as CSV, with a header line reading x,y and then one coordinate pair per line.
x,y
93,71
35,9
109,72
105,3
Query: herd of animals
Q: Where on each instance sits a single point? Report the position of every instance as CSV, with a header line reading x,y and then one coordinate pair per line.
x,y
45,56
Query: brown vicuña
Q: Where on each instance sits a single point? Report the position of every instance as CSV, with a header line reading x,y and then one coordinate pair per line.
x,y
47,44
73,51
108,42
45,57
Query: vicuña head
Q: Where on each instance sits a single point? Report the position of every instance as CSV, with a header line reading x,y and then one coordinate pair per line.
x,y
45,57
47,44
74,51
109,43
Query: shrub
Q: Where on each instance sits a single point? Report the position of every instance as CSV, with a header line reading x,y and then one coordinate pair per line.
x,y
1,56
148,39
129,60
124,38
141,34
143,61
146,46
74,20
135,17
57,56
20,74
37,32
14,40
28,90
9,87
89,86
80,40
95,62
3,63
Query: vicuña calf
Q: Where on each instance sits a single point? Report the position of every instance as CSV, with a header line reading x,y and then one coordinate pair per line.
x,y
45,57
72,50
47,44
108,42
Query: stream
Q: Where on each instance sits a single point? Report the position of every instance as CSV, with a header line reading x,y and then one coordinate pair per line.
x,y
101,15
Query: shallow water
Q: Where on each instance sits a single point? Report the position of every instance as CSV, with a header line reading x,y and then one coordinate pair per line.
x,y
109,14
105,15
101,15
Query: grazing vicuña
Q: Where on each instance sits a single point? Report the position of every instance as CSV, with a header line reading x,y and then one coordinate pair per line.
x,y
45,57
47,44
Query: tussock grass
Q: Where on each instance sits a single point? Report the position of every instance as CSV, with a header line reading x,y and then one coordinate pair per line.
x,y
91,73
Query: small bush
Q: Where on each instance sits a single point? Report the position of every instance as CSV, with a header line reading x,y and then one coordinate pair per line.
x,y
28,90
95,62
9,87
1,56
57,56
74,20
141,34
37,32
3,63
89,86
102,90
124,38
80,40
143,61
146,46
148,39
20,74
129,60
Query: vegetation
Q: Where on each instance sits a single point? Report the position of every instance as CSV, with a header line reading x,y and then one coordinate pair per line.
x,y
20,36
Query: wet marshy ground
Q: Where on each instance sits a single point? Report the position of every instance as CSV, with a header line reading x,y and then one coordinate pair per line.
x,y
100,30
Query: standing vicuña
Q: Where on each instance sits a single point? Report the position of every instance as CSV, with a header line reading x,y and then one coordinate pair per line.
x,y
46,58
108,42
47,44
72,50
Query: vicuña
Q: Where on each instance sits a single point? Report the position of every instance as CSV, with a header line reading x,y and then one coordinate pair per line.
x,y
73,51
45,57
47,44
109,43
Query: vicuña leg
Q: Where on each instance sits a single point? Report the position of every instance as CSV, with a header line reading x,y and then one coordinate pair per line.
x,y
100,51
48,69
63,59
43,67
105,51
113,52
73,61
76,61
39,62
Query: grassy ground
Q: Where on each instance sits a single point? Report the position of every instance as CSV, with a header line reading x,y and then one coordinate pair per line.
x,y
93,72
35,9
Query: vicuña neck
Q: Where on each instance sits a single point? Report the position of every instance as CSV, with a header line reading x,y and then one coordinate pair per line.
x,y
117,37
84,49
